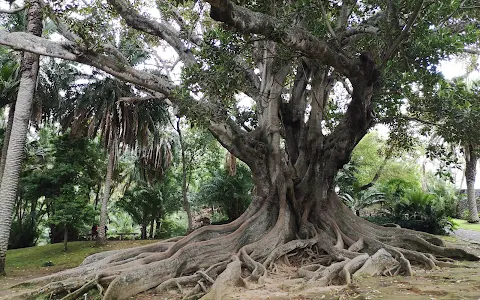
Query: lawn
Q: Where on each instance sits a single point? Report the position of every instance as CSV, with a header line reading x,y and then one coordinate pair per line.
x,y
32,259
463,224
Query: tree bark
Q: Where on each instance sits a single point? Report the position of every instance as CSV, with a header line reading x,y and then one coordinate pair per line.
x,y
6,140
13,163
186,204
470,174
65,238
152,227
102,234
144,231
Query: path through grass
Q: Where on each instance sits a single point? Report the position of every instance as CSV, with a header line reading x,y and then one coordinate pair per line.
x,y
463,224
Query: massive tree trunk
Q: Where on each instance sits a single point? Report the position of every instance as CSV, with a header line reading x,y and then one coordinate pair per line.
x,y
102,234
15,152
295,211
6,139
470,174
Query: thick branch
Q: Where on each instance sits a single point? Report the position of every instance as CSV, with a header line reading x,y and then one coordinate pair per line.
x,y
70,51
237,143
162,30
38,45
393,48
471,51
295,37
12,10
345,12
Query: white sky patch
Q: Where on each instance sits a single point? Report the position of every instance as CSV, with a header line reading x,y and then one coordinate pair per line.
x,y
456,67
243,101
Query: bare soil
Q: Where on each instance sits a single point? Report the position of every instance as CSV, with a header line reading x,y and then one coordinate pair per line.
x,y
443,283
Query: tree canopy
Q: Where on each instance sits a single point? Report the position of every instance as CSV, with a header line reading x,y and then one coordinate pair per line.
x,y
319,75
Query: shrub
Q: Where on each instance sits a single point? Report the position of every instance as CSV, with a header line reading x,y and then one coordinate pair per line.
x,y
230,193
170,228
417,210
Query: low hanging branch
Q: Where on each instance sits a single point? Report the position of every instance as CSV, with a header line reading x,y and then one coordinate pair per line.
x,y
12,10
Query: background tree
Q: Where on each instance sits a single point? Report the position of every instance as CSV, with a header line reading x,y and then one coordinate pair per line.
x,y
107,106
60,185
454,108
193,144
230,193
23,107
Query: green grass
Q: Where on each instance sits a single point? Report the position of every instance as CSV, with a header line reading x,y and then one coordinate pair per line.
x,y
26,260
463,224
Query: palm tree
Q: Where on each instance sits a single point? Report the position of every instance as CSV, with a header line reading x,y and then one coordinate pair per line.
x,y
23,107
106,107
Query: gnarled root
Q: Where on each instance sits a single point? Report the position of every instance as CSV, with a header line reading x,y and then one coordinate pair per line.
x,y
339,247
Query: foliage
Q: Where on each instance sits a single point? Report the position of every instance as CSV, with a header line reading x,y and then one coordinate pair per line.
x,y
373,157
58,178
417,210
447,195
169,228
362,200
144,204
23,233
231,193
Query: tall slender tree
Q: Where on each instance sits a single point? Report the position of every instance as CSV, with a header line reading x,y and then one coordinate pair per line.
x,y
452,111
23,106
471,158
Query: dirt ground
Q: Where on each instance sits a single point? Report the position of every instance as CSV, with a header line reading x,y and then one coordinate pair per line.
x,y
443,283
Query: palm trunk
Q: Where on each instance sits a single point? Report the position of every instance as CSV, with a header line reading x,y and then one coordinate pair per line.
x,y
102,236
14,157
470,174
186,204
6,140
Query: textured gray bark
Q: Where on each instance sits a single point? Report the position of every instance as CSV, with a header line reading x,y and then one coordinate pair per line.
x,y
6,140
470,174
102,235
13,163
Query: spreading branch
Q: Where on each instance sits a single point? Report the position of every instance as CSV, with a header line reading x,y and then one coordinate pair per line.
x,y
70,51
471,51
393,48
162,30
292,36
12,10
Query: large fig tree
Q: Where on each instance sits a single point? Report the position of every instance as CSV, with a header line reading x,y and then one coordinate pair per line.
x,y
319,75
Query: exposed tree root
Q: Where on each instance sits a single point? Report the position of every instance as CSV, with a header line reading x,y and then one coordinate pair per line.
x,y
210,260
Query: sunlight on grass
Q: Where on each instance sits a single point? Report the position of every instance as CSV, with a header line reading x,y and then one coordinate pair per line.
x,y
23,260
463,224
